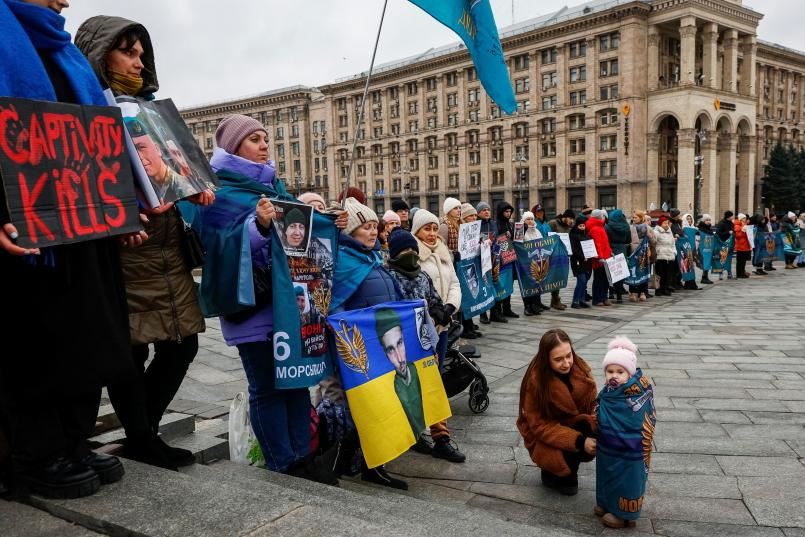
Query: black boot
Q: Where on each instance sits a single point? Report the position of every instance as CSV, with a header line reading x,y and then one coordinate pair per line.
x,y
62,478
443,448
484,318
177,456
496,314
379,476
507,309
320,468
108,468
147,451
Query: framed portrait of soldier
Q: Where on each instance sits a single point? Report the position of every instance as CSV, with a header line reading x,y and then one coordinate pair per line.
x,y
294,223
167,153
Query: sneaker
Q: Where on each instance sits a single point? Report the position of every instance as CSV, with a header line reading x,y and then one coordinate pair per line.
x,y
611,521
583,305
423,445
380,476
444,448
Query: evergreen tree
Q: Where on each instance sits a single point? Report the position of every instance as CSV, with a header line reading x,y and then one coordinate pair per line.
x,y
781,185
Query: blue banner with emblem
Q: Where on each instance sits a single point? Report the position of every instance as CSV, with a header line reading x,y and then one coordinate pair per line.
x,y
790,241
707,243
639,264
477,290
722,255
686,259
768,247
542,265
503,260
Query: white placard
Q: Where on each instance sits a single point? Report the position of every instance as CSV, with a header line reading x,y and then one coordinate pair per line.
x,y
588,247
750,235
469,239
617,268
486,257
565,238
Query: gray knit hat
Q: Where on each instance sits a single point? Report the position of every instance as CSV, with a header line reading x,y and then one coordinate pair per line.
x,y
483,206
233,129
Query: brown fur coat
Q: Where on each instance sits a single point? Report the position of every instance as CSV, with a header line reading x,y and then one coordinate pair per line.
x,y
547,437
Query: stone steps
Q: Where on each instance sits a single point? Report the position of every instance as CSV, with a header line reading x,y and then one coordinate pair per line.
x,y
370,502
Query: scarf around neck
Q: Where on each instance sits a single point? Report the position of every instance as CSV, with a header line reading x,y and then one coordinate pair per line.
x,y
406,264
262,173
124,84
28,30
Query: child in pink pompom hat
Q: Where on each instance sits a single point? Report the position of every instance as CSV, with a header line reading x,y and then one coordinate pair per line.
x,y
626,420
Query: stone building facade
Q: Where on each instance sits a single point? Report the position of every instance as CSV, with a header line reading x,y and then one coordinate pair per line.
x,y
621,103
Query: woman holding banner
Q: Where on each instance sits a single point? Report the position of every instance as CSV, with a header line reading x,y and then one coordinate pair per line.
x,y
361,281
163,306
705,229
66,304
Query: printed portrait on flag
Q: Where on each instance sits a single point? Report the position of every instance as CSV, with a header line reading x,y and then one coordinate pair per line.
x,y
390,375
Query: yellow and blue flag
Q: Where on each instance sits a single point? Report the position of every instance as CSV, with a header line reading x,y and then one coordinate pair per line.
x,y
390,373
474,22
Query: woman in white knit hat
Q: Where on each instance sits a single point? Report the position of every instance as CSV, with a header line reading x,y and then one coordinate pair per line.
x,y
449,224
437,262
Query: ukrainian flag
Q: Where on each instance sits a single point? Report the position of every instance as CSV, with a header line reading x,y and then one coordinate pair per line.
x,y
390,373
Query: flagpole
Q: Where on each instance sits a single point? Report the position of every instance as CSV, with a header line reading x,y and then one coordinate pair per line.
x,y
363,104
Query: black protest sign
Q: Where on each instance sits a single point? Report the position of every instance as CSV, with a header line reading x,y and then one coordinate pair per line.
x,y
65,172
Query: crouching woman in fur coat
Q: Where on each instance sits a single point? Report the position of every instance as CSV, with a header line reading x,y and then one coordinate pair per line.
x,y
557,414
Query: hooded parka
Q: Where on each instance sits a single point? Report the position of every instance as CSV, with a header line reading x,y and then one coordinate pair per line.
x,y
161,293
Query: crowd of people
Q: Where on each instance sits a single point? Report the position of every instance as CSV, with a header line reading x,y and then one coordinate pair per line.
x,y
90,312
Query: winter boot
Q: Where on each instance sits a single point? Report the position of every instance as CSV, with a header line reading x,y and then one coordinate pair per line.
x,y
496,314
556,303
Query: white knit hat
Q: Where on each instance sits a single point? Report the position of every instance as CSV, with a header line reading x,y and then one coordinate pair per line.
x,y
622,352
741,216
450,204
358,214
527,215
422,217
791,215
391,216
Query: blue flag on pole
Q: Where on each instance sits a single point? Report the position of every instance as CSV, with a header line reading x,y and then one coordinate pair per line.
x,y
707,243
722,255
542,265
474,22
685,259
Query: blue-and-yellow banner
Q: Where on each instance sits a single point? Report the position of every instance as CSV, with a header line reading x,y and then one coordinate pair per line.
x,y
722,255
474,23
542,265
791,242
389,370
503,260
768,247
639,264
477,290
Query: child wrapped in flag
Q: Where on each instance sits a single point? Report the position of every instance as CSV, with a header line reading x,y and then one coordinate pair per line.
x,y
626,421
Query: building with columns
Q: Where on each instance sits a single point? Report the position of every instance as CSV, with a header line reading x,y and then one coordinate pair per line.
x,y
621,103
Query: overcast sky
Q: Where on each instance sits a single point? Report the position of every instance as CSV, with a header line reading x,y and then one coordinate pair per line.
x,y
217,50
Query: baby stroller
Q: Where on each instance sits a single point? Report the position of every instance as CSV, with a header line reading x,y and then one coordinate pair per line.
x,y
459,371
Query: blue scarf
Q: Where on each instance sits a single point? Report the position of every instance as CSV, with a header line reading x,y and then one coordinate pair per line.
x,y
354,265
26,29
227,286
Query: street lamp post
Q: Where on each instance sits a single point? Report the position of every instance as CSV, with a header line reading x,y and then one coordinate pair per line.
x,y
298,182
521,178
698,161
406,184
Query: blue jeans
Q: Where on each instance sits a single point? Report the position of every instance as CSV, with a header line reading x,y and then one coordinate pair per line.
x,y
600,285
580,292
441,348
280,418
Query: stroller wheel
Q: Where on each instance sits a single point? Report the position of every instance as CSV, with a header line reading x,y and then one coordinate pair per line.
x,y
478,399
479,403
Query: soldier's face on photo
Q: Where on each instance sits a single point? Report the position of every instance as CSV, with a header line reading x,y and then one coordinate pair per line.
x,y
150,155
394,347
300,303
295,234
177,155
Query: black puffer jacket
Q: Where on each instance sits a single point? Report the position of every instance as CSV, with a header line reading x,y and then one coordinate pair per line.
x,y
503,225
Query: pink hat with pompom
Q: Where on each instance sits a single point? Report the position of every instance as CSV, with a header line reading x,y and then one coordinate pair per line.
x,y
623,353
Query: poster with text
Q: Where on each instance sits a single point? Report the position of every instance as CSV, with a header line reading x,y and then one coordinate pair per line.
x,y
65,172
469,239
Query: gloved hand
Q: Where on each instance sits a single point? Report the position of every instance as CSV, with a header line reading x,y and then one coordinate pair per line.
x,y
439,315
449,310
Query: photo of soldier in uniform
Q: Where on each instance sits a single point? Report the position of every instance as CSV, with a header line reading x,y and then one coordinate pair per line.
x,y
406,379
294,222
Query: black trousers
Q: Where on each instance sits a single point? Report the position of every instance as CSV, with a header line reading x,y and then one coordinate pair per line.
x,y
41,427
741,259
574,459
141,402
665,272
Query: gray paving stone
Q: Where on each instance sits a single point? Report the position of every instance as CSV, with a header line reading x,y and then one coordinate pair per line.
x,y
531,515
677,429
778,395
794,532
724,416
700,486
798,446
761,466
722,446
775,501
786,432
685,463
791,418
680,414
697,510
428,467
736,404
19,520
673,528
